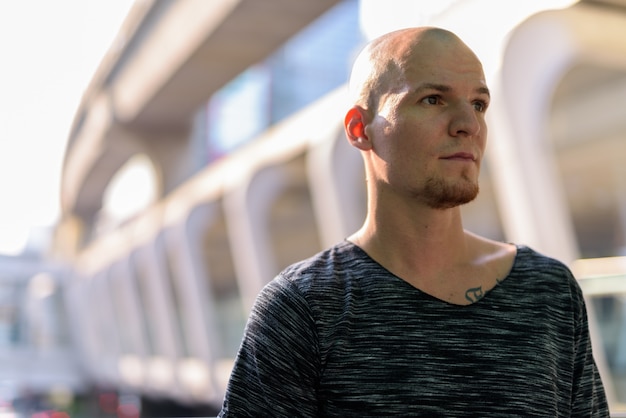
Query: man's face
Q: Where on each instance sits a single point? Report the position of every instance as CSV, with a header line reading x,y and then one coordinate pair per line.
x,y
429,133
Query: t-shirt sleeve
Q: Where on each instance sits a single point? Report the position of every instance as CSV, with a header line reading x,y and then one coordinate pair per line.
x,y
588,397
276,370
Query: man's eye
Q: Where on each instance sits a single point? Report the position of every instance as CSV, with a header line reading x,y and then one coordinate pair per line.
x,y
480,106
431,100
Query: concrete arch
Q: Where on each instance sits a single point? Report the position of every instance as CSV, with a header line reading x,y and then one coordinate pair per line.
x,y
221,293
247,208
160,361
179,350
538,55
125,303
337,180
102,148
193,371
99,292
293,232
147,93
85,332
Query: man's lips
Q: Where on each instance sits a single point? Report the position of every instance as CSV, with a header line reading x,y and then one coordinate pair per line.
x,y
460,156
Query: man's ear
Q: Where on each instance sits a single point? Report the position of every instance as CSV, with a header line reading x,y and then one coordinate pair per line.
x,y
354,124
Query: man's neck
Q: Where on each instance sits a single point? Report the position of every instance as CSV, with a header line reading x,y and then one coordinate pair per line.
x,y
422,240
430,250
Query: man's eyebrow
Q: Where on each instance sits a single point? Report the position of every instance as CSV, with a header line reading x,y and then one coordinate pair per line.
x,y
444,88
484,90
432,86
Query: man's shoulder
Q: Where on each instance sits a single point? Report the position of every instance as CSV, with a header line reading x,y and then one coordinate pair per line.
x,y
532,260
330,275
320,281
543,271
325,264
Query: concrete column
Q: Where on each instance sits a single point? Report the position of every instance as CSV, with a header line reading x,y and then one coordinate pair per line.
x,y
171,155
99,292
160,367
196,226
620,192
530,194
337,181
193,372
247,211
125,293
83,320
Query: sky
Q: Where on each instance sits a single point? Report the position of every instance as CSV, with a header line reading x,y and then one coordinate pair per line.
x,y
50,51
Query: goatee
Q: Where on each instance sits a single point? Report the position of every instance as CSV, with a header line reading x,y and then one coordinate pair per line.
x,y
439,194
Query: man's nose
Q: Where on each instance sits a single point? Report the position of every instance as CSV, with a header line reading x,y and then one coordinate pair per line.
x,y
465,120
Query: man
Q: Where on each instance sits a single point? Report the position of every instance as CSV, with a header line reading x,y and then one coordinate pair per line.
x,y
412,315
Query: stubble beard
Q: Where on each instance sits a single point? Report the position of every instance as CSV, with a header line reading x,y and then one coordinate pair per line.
x,y
440,194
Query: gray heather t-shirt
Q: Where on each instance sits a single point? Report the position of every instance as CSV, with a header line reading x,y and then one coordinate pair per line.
x,y
338,335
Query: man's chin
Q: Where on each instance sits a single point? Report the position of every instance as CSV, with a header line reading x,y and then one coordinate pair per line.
x,y
452,197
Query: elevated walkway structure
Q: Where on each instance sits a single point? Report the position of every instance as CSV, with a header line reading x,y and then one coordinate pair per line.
x,y
160,301
169,58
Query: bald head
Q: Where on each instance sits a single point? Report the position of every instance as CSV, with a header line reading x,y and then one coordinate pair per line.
x,y
382,66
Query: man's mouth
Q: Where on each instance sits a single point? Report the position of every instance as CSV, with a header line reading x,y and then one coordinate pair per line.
x,y
460,156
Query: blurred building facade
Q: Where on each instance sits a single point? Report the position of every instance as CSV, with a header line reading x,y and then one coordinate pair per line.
x,y
208,153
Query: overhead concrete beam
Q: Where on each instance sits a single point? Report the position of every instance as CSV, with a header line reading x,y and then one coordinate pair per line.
x,y
196,48
618,3
174,66
101,148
